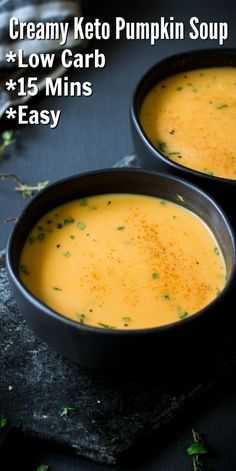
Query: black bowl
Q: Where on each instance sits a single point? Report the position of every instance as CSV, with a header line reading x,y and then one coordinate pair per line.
x,y
118,349
150,157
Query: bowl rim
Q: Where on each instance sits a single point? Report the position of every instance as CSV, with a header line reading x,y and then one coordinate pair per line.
x,y
157,154
12,272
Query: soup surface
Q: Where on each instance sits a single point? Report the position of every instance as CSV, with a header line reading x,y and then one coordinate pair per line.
x,y
190,117
122,261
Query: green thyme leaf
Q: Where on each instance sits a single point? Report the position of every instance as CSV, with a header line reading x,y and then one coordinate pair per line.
x,y
66,253
181,313
216,251
120,228
56,288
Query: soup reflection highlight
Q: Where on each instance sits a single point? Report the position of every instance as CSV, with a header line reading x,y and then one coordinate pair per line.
x,y
123,261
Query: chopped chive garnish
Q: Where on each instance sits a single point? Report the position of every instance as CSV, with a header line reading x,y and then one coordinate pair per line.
x,y
179,88
223,105
209,172
81,225
24,269
66,253
72,236
41,237
42,467
181,313
68,220
83,202
59,225
163,202
120,228
161,145
32,240
155,276
81,317
66,410
127,319
165,297
216,250
106,326
218,292
180,198
3,421
56,288
173,153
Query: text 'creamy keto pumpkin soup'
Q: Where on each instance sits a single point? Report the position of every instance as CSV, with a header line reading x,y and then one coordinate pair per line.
x,y
190,117
123,261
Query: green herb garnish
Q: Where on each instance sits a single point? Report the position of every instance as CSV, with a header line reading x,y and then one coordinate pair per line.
x,y
179,88
81,225
195,450
3,421
42,467
24,269
66,253
155,275
216,251
127,319
209,172
59,225
181,313
68,220
81,317
120,228
41,237
6,137
66,410
161,145
165,297
56,288
72,236
180,198
83,202
163,202
106,326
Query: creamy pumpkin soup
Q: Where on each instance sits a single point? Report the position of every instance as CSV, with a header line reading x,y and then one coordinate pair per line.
x,y
190,117
123,261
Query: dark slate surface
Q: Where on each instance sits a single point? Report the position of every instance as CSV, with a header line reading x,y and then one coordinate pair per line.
x,y
112,413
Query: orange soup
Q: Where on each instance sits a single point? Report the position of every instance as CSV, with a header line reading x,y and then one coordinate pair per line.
x,y
190,117
122,261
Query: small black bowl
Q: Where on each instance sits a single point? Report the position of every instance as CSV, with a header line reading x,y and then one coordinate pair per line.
x,y
224,190
119,349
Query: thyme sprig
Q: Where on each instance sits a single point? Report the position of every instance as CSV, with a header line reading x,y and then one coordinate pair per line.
x,y
25,190
7,140
195,450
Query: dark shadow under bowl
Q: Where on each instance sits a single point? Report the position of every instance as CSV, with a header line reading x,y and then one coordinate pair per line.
x,y
120,349
150,157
